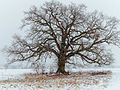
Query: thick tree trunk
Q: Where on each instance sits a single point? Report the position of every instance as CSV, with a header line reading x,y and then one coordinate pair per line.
x,y
61,65
62,58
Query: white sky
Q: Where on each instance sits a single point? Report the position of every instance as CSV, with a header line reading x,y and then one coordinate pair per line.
x,y
11,14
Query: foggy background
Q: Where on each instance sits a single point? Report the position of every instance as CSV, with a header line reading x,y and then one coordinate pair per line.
x,y
12,12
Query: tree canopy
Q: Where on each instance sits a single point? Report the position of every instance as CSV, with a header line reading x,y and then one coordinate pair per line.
x,y
65,31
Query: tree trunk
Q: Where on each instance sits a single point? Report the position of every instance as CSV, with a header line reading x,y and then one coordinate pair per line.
x,y
62,58
61,65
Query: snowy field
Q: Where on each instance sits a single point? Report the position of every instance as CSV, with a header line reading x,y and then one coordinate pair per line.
x,y
14,79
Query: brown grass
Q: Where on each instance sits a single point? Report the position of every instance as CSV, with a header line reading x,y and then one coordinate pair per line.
x,y
57,80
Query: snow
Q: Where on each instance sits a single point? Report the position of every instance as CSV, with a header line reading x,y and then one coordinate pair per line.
x,y
9,74
6,74
114,83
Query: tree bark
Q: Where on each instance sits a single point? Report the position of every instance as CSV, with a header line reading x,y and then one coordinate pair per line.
x,y
61,65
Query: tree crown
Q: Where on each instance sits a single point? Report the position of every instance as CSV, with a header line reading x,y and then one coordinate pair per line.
x,y
68,30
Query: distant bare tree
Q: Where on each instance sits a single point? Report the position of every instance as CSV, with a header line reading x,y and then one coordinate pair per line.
x,y
65,31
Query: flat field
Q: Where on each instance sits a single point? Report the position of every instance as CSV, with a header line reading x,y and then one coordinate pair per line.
x,y
86,79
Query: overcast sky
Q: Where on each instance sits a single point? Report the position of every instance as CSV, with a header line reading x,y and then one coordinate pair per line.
x,y
11,14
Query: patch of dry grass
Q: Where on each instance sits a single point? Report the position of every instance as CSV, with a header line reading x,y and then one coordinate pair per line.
x,y
60,81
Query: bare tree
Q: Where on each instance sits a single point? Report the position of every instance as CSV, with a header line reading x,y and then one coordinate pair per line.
x,y
65,31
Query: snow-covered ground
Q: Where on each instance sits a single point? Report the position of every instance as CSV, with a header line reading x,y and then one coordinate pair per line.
x,y
114,83
104,83
6,74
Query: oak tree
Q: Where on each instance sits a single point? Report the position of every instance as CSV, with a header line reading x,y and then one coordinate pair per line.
x,y
65,31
